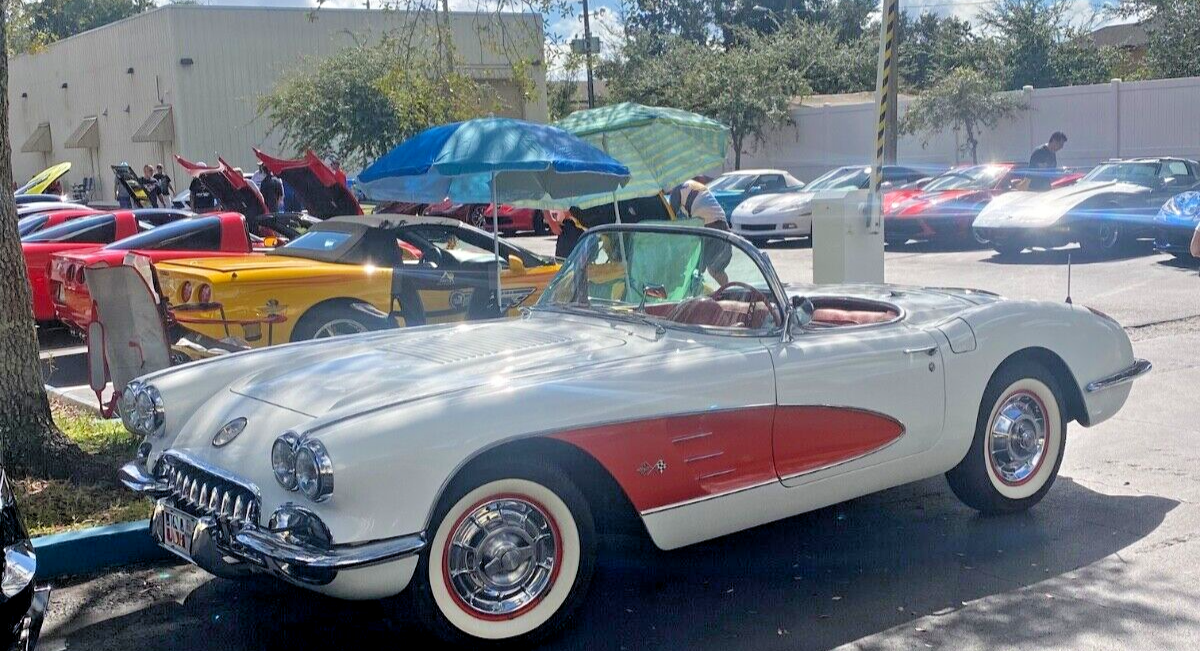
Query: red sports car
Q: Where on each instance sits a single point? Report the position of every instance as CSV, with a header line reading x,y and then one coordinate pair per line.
x,y
322,190
946,206
83,234
479,215
43,220
210,235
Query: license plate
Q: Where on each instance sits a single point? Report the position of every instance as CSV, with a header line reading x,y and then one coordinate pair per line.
x,y
177,531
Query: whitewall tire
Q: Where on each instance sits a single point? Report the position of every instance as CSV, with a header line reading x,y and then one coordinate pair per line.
x,y
1019,441
509,560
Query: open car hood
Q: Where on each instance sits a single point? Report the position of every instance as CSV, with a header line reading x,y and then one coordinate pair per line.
x,y
44,179
137,192
230,188
323,191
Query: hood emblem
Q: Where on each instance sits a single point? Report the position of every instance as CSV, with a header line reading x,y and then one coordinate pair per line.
x,y
228,432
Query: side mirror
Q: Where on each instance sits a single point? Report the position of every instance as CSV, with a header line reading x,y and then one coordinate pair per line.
x,y
800,314
516,264
656,292
270,242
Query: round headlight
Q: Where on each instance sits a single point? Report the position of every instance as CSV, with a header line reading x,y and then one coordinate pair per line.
x,y
283,460
314,471
126,404
143,412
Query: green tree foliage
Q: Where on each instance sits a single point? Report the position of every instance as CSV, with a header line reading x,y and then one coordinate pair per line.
x,y
363,100
932,46
964,101
748,87
36,23
1038,47
1174,30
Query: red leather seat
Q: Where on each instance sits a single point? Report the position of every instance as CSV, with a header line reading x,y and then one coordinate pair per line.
x,y
835,316
705,311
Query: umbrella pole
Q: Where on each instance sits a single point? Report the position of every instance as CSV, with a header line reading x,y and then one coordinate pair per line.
x,y
496,243
624,253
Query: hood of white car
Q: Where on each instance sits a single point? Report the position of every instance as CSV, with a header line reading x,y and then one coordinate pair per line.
x,y
406,365
1040,209
771,206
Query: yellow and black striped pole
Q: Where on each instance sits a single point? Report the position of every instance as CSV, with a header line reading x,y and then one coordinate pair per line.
x,y
885,105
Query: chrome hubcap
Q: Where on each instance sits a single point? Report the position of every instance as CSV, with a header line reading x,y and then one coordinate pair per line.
x,y
502,557
338,327
1018,438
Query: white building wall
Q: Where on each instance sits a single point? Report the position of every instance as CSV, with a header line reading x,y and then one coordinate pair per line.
x,y
1102,121
237,54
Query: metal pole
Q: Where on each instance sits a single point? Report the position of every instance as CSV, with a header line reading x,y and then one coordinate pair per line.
x,y
885,105
496,242
587,43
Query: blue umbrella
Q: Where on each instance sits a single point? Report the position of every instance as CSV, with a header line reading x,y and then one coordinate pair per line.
x,y
496,160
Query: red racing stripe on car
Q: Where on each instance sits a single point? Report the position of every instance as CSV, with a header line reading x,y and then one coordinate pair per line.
x,y
809,438
664,461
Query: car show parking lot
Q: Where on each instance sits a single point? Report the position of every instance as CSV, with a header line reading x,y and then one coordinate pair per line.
x,y
1108,560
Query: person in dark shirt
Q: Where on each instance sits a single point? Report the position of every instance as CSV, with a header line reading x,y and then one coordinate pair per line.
x,y
147,181
1046,158
271,188
201,198
164,185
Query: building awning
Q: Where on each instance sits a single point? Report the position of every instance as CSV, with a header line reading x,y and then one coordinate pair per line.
x,y
86,135
159,127
39,141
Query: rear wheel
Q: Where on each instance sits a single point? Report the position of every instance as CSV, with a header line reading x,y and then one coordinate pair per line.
x,y
477,216
1020,437
1007,249
511,557
333,320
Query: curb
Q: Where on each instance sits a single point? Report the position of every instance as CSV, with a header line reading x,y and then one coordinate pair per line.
x,y
89,550
65,396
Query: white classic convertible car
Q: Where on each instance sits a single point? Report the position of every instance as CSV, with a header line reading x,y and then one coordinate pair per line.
x,y
474,465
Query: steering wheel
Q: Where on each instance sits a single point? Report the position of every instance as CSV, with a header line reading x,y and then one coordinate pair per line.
x,y
755,297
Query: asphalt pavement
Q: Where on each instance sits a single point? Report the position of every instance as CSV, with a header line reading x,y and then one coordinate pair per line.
x,y
1109,560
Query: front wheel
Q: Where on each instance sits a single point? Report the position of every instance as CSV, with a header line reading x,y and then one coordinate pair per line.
x,y
1102,241
1020,436
511,558
477,216
1007,249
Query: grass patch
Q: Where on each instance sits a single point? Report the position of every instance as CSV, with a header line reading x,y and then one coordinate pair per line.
x,y
55,506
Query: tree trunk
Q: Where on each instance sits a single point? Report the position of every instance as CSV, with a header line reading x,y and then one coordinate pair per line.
x,y
737,149
972,143
30,444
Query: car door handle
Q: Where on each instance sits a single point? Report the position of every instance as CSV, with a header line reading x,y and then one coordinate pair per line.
x,y
927,350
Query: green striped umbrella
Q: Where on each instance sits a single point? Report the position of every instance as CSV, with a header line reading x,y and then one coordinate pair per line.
x,y
662,147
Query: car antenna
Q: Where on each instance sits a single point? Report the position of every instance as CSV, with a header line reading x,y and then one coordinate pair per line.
x,y
1068,279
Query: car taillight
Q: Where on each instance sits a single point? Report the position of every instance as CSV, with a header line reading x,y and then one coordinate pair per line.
x,y
205,294
185,292
79,275
70,273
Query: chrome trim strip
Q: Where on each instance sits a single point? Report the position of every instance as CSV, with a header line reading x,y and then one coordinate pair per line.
x,y
702,457
691,437
1128,374
134,476
705,498
719,473
278,548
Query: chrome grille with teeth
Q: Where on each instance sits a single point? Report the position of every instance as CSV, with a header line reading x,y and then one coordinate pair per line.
x,y
205,493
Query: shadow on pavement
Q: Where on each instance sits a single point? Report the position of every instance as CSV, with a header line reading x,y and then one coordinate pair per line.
x,y
1078,257
811,582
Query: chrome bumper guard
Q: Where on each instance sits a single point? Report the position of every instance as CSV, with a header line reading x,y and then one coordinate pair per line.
x,y
1132,372
232,549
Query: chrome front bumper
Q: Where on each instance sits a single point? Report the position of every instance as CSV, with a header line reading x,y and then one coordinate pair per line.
x,y
1138,368
231,549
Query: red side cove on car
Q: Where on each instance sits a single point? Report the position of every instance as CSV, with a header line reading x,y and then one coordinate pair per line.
x,y
946,206
80,235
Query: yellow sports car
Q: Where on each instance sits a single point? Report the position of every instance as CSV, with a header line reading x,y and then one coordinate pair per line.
x,y
350,275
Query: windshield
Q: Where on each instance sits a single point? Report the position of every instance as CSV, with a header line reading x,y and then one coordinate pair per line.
x,y
97,228
732,182
673,277
31,224
315,241
1139,173
840,178
980,177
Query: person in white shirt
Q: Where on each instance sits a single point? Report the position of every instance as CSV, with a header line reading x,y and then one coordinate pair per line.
x,y
693,200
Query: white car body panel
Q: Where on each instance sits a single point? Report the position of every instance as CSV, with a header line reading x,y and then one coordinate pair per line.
x,y
1024,210
402,411
776,210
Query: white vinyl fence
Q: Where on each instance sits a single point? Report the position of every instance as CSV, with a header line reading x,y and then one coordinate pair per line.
x,y
1117,119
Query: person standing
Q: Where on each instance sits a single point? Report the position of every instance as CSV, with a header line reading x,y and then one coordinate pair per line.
x,y
1046,158
164,185
271,188
201,198
120,193
1195,248
693,200
148,182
